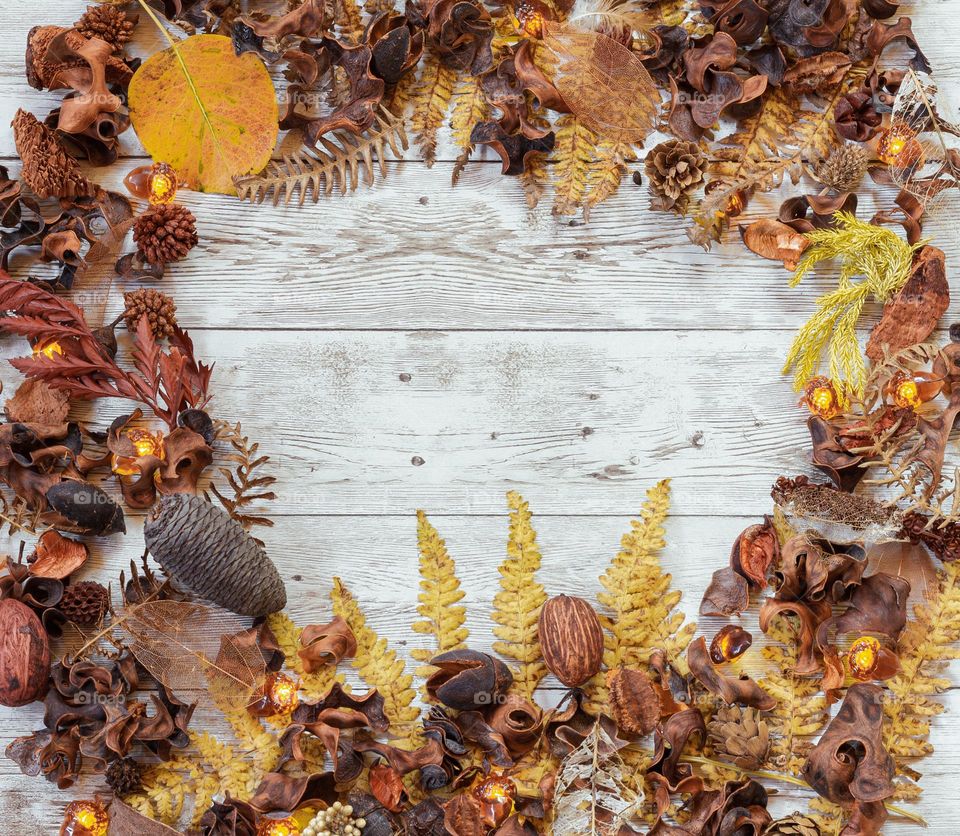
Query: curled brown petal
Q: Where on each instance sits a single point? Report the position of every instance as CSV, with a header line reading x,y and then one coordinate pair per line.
x,y
849,763
519,722
809,660
831,457
754,551
284,793
326,644
740,690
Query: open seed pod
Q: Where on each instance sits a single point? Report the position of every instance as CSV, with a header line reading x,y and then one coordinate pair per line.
x,y
202,548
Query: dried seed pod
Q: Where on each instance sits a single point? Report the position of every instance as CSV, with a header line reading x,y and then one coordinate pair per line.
x,y
468,680
741,735
205,550
86,506
633,701
571,639
730,642
24,655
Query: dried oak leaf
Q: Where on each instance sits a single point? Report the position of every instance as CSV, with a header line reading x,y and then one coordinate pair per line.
x,y
326,644
514,149
912,315
56,556
849,763
36,402
774,240
741,690
728,594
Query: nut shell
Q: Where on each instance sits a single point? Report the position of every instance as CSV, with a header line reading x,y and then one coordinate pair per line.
x,y
468,680
571,639
24,655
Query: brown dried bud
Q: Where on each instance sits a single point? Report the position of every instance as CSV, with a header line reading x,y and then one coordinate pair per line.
x,y
633,701
159,309
468,680
47,168
24,655
571,639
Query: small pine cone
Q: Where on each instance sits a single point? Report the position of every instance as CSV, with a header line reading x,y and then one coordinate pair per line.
x,y
674,170
202,548
165,233
47,168
124,776
84,603
160,310
795,825
843,169
740,735
108,23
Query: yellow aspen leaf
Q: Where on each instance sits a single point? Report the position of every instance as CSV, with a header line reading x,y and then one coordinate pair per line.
x,y
206,111
516,607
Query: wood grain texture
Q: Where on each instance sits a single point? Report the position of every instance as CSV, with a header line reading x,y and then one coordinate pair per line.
x,y
422,346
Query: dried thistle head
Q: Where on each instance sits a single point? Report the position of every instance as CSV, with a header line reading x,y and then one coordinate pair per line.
x,y
843,169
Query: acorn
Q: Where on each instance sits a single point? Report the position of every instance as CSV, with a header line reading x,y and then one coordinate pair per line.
x,y
24,655
571,639
203,549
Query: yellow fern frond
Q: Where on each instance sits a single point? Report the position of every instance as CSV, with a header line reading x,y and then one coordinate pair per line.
x,y
516,607
439,592
349,19
469,107
573,152
606,173
928,643
534,179
640,608
315,685
377,664
801,710
431,100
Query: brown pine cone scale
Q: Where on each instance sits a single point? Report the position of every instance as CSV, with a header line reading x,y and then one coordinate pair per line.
x,y
165,233
124,776
795,825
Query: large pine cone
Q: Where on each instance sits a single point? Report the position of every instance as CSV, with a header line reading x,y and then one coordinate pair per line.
x,y
201,547
160,310
741,736
108,23
165,233
84,603
795,825
124,776
674,170
47,168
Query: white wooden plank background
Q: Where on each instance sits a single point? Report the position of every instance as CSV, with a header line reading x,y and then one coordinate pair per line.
x,y
418,346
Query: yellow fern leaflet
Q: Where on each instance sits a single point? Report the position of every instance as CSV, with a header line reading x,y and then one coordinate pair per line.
x,y
209,113
604,84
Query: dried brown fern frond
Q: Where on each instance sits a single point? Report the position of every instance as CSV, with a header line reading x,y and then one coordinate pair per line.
x,y
534,179
766,148
20,518
431,100
245,481
321,170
